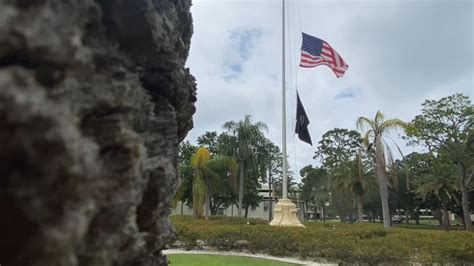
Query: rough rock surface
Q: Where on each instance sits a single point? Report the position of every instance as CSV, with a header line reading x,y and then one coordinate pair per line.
x,y
94,99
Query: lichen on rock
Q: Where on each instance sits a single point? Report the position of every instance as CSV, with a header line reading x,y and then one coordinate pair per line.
x,y
94,99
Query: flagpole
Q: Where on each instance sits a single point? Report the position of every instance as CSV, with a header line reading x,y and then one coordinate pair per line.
x,y
285,211
283,105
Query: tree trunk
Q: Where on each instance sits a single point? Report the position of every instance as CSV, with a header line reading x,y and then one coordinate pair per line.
x,y
461,218
383,183
439,216
417,216
323,213
445,217
182,203
215,208
360,209
270,196
246,212
407,217
241,188
207,206
351,215
195,213
465,198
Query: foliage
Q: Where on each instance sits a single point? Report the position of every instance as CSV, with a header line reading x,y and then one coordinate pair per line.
x,y
367,243
248,152
354,177
199,163
373,137
441,122
439,180
223,192
314,189
208,175
337,149
445,126
185,172
338,146
209,140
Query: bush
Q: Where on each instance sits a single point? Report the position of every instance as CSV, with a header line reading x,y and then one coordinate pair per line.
x,y
366,243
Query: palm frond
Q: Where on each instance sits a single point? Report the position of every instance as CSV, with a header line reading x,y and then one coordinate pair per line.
x,y
392,125
407,170
367,136
363,122
199,194
199,162
392,165
261,125
379,118
200,158
226,164
230,125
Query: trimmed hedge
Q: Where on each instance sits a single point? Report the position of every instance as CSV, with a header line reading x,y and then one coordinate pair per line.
x,y
366,243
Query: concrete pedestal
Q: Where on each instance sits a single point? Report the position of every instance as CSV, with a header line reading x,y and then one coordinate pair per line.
x,y
285,214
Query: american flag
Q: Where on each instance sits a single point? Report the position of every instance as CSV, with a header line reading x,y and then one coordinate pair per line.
x,y
315,52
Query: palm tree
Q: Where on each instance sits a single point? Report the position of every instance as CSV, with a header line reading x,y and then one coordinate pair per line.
x,y
440,182
355,177
247,134
207,173
377,128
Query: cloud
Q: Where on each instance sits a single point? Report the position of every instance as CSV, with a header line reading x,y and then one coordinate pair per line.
x,y
241,48
348,93
399,54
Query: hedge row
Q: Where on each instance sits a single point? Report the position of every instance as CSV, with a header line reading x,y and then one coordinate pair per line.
x,y
367,243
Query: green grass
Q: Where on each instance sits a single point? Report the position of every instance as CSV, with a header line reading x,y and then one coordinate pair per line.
x,y
218,260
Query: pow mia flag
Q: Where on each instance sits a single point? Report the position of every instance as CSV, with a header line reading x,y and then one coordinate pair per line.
x,y
302,122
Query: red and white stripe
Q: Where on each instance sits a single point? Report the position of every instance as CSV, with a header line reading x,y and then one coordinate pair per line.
x,y
328,57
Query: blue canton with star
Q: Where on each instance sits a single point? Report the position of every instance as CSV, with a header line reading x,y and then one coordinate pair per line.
x,y
312,45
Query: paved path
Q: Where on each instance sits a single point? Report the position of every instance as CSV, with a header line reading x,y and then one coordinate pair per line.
x,y
260,256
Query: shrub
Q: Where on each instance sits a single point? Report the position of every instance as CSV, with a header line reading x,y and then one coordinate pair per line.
x,y
366,243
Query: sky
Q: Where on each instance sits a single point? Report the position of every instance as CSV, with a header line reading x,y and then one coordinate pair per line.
x,y
399,54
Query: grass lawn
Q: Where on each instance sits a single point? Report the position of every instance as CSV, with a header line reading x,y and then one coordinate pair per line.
x,y
210,260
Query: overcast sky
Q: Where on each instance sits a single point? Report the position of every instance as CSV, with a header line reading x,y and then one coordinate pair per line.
x,y
399,54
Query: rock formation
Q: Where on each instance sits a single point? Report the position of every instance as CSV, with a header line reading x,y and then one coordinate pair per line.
x,y
94,99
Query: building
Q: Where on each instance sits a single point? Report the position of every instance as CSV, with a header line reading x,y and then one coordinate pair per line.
x,y
263,211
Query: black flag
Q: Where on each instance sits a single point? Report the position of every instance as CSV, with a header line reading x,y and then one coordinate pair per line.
x,y
302,122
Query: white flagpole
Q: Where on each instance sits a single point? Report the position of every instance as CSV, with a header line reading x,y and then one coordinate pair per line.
x,y
285,211
283,103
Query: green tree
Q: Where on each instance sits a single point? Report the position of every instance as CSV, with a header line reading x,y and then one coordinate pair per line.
x,y
338,146
354,177
210,140
207,174
272,163
445,126
315,189
224,195
440,181
337,149
402,195
377,128
185,173
248,136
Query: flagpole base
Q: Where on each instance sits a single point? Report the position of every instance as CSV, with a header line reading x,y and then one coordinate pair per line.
x,y
285,214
